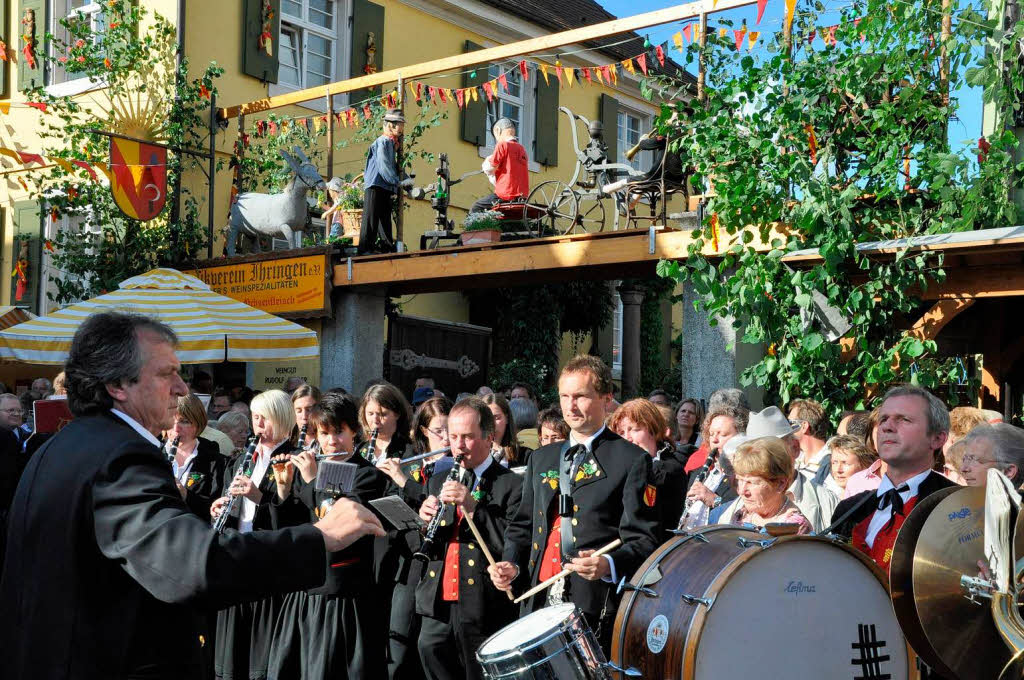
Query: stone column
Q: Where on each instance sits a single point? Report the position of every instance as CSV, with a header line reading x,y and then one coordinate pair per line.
x,y
352,343
631,300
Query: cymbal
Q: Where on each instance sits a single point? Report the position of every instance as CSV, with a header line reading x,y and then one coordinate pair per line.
x,y
901,583
950,544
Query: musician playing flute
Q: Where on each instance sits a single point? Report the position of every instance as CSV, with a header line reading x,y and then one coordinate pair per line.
x,y
579,495
336,630
458,603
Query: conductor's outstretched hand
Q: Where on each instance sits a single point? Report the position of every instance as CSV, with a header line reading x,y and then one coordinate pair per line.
x,y
347,522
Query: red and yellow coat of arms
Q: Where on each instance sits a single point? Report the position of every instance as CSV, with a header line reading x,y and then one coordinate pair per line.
x,y
138,177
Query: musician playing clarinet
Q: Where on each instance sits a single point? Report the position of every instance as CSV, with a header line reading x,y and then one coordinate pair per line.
x,y
578,496
459,605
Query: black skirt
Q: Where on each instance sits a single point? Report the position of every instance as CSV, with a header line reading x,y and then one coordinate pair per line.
x,y
327,637
244,636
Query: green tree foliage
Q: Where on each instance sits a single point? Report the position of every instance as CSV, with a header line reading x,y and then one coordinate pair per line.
x,y
137,69
865,103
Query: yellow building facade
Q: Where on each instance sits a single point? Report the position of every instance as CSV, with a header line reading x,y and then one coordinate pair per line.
x,y
320,41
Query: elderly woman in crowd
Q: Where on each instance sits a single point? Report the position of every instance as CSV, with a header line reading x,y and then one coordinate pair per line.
x,y
641,422
236,426
197,465
998,446
764,470
721,424
849,456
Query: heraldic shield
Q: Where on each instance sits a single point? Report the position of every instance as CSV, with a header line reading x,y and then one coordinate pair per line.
x,y
138,177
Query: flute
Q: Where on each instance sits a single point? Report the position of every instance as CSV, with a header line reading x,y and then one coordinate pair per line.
x,y
428,454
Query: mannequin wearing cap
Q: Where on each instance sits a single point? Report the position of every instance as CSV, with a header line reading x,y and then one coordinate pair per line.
x,y
507,167
330,216
382,183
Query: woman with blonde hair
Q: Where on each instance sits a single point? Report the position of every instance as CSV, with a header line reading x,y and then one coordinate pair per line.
x,y
764,469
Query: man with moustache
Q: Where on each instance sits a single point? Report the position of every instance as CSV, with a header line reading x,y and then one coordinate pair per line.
x,y
578,496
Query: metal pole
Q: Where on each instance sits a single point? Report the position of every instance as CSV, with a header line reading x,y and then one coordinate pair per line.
x,y
179,54
400,160
212,175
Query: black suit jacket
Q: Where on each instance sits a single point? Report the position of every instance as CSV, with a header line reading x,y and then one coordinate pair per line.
x,y
501,490
932,483
106,566
263,519
205,479
609,504
670,478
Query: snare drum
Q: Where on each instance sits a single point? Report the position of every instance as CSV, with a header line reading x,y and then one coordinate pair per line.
x,y
731,602
554,643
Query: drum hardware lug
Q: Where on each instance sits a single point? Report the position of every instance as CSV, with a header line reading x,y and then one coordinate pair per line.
x,y
625,585
694,600
747,543
690,534
976,589
628,672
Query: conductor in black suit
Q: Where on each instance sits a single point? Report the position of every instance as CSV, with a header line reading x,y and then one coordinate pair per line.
x,y
578,496
106,566
460,606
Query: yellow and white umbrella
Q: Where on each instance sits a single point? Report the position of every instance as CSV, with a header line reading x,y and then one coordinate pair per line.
x,y
211,327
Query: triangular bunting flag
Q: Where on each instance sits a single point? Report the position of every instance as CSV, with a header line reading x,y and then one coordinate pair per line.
x,y
599,72
570,75
544,72
419,91
659,52
460,98
444,97
687,33
317,125
722,33
642,60
812,143
739,35
65,165
488,91
5,108
614,70
752,38
37,105
761,4
829,36
523,70
628,65
790,9
431,93
503,81
88,168
558,72
677,38
366,111
474,93
586,76
810,37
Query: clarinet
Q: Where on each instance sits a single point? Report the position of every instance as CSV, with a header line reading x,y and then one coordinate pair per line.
x,y
692,506
172,452
430,537
369,453
302,437
243,468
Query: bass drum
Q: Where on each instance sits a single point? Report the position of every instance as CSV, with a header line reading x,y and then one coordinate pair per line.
x,y
731,602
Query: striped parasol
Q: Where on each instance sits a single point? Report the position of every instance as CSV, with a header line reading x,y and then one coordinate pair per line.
x,y
211,327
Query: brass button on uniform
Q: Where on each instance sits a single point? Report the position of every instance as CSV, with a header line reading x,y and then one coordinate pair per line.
x,y
575,508
432,573
471,563
536,546
472,547
575,521
470,581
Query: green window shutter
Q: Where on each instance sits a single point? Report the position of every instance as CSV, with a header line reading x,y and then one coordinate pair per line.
x,y
30,77
545,140
27,225
255,60
473,118
5,22
367,18
610,119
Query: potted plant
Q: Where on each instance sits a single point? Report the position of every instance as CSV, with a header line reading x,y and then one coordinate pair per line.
x,y
481,227
351,201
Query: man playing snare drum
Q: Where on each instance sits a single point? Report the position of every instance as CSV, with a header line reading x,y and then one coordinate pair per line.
x,y
507,167
578,496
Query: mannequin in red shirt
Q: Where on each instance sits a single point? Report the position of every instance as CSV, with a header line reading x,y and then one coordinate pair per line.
x,y
507,168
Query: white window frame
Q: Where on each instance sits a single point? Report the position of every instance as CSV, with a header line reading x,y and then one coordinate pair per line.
x,y
59,85
340,60
616,350
49,272
526,101
642,161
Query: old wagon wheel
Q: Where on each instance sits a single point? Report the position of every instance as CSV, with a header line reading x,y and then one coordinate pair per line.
x,y
590,216
559,208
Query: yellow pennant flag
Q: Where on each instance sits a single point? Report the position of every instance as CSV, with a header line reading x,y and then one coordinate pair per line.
x,y
597,71
790,9
473,92
752,37
628,65
10,153
317,125
544,72
65,165
722,32
614,71
569,74
696,33
5,108
449,94
678,40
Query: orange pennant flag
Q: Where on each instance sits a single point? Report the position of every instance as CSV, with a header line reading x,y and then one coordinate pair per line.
x,y
613,69
687,32
628,65
790,9
558,72
598,72
722,33
678,39
5,108
752,38
739,35
65,165
812,143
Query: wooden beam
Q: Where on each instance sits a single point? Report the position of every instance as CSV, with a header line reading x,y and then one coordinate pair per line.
x,y
981,282
499,53
936,318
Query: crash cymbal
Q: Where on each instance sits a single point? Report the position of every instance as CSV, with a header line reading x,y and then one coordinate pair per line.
x,y
901,584
949,546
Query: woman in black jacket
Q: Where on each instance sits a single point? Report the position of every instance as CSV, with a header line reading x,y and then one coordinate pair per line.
x,y
198,465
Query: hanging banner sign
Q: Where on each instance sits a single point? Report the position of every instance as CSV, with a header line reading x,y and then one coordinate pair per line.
x,y
138,177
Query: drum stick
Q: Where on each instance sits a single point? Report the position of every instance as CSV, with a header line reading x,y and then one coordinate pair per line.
x,y
565,572
483,546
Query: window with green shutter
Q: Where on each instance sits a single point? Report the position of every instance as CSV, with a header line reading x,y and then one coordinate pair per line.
x,y
5,22
367,53
545,149
473,118
260,56
27,255
32,21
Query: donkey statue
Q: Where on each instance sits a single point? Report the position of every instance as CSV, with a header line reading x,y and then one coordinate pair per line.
x,y
254,214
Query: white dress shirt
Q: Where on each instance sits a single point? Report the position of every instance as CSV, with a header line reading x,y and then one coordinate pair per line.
x,y
881,517
181,471
137,426
248,513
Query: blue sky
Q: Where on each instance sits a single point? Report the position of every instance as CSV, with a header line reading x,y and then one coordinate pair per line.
x,y
966,130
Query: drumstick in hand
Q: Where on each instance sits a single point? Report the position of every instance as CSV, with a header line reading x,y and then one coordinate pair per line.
x,y
483,546
565,572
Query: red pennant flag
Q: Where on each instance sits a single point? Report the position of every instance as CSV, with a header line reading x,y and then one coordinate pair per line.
x,y
261,128
642,60
810,37
586,74
812,143
431,93
739,35
272,127
419,91
488,91
558,72
366,111
688,31
88,168
27,158
830,36
504,82
984,146
524,70
607,73
761,4
444,100
37,105
660,54
460,98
